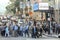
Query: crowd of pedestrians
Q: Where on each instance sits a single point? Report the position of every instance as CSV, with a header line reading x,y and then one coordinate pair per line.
x,y
30,28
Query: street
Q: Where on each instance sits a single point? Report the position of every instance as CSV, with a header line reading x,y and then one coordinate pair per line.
x,y
21,38
29,20
26,38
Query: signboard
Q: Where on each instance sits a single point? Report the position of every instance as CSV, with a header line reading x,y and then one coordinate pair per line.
x,y
35,6
43,6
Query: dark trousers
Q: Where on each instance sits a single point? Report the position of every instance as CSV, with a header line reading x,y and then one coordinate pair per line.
x,y
3,33
34,35
15,33
58,30
26,33
21,33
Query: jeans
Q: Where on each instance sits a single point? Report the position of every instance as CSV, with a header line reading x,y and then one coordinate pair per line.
x,y
6,34
21,33
26,33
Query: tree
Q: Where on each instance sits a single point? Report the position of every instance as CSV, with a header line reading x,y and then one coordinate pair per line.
x,y
17,2
12,0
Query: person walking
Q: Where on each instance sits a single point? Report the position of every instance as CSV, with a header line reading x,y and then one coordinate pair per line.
x,y
6,31
21,30
41,31
15,29
34,32
27,30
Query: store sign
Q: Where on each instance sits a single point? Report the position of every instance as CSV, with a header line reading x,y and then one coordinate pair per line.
x,y
43,6
35,6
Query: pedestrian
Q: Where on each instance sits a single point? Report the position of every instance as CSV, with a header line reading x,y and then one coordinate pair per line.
x,y
21,30
56,28
34,22
47,29
6,31
44,27
34,32
27,30
15,29
37,30
41,30
53,28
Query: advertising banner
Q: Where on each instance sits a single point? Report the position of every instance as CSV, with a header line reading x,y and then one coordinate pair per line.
x,y
43,6
35,6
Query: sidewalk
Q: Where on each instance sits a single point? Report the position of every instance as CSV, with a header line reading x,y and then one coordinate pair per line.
x,y
51,35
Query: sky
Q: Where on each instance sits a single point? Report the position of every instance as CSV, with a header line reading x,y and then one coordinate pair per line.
x,y
3,4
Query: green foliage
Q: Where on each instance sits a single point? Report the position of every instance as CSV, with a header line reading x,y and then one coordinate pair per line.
x,y
14,11
30,8
17,2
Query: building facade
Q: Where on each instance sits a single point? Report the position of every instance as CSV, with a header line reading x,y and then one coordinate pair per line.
x,y
50,2
57,11
55,4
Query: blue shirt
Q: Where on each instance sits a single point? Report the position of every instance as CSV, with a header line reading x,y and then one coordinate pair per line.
x,y
7,30
34,29
15,28
21,28
26,27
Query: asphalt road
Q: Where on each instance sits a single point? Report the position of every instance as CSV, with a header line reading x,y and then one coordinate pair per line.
x,y
19,38
26,38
